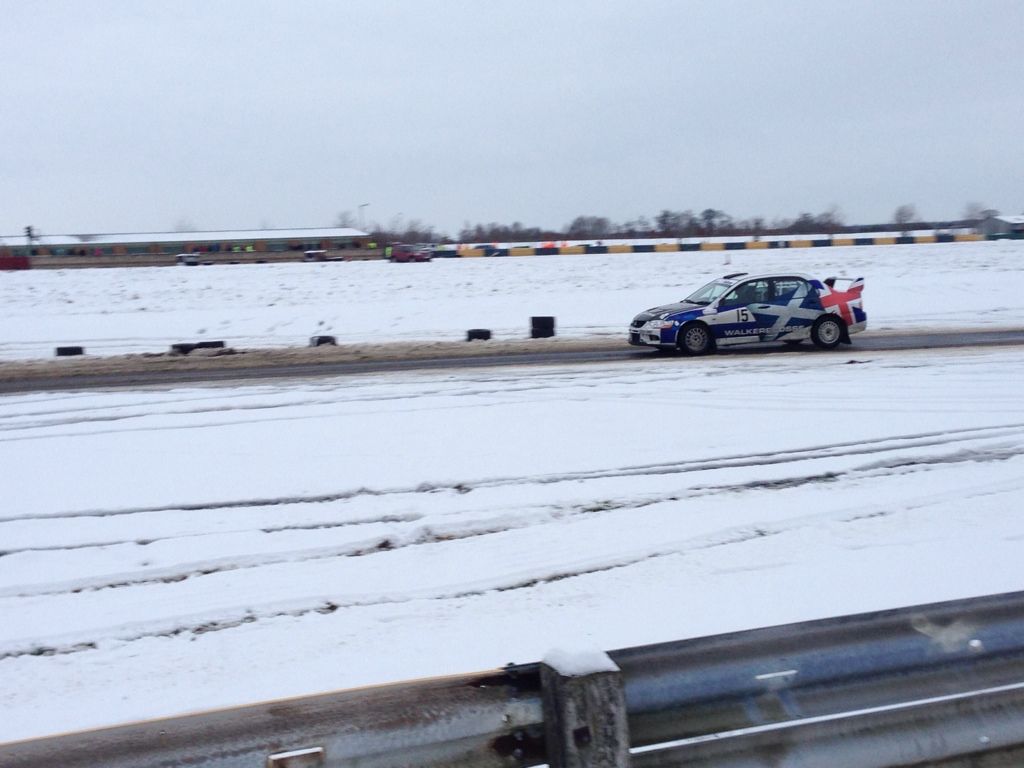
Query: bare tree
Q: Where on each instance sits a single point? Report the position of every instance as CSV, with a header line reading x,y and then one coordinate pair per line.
x,y
676,223
418,232
589,227
904,215
831,221
709,217
668,223
640,227
502,233
804,224
184,224
345,220
973,212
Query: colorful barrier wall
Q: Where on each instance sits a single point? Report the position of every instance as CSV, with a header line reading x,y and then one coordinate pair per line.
x,y
716,245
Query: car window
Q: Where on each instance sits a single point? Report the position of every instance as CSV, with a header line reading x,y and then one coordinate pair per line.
x,y
750,292
790,288
708,293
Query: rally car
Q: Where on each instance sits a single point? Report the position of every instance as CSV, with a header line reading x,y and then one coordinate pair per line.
x,y
744,309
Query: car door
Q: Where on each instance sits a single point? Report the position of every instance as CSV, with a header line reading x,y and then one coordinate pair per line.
x,y
789,311
734,321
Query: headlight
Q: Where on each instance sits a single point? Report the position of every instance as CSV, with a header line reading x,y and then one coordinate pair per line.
x,y
657,325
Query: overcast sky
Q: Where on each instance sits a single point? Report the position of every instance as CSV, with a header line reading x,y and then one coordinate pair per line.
x,y
137,115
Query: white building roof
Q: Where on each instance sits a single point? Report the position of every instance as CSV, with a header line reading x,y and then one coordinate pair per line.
x,y
217,236
1011,219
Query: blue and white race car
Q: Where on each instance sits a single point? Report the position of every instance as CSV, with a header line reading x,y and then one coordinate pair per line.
x,y
743,309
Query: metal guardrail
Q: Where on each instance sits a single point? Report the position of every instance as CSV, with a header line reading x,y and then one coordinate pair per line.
x,y
928,685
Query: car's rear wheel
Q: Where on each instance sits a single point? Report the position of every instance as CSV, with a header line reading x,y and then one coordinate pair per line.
x,y
694,339
827,332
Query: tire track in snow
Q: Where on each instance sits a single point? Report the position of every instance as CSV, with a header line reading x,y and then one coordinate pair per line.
x,y
383,543
494,524
822,451
330,606
174,626
147,541
15,423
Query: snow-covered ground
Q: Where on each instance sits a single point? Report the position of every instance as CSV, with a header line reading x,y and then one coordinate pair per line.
x,y
112,311
168,550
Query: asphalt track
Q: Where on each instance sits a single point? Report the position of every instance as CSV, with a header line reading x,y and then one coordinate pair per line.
x,y
600,353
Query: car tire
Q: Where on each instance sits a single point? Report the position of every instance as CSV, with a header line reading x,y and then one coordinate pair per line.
x,y
694,339
827,332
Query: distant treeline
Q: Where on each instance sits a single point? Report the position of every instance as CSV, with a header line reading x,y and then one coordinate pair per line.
x,y
707,223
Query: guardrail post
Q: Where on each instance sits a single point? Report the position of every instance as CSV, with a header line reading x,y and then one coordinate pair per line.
x,y
584,711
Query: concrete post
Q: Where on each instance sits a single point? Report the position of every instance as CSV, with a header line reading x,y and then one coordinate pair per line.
x,y
584,711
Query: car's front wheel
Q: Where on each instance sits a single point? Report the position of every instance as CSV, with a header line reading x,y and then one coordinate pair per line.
x,y
694,339
827,332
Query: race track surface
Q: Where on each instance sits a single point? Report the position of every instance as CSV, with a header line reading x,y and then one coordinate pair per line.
x,y
157,370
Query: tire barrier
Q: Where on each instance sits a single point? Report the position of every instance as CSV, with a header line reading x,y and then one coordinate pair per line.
x,y
69,351
542,327
321,341
184,347
713,245
478,334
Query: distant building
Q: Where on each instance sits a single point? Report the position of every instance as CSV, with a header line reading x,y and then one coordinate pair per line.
x,y
227,241
1005,226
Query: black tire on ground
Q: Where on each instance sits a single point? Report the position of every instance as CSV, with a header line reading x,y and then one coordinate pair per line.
x,y
69,351
182,348
210,345
542,327
694,338
478,334
321,341
827,332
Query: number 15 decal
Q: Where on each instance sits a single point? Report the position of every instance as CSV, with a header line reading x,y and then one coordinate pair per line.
x,y
743,315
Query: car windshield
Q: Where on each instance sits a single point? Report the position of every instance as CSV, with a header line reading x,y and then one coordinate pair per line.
x,y
708,293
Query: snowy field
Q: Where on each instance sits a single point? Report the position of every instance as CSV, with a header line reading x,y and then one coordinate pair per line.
x,y
168,550
111,311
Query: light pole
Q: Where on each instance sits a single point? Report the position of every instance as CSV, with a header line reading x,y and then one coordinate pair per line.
x,y
362,225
